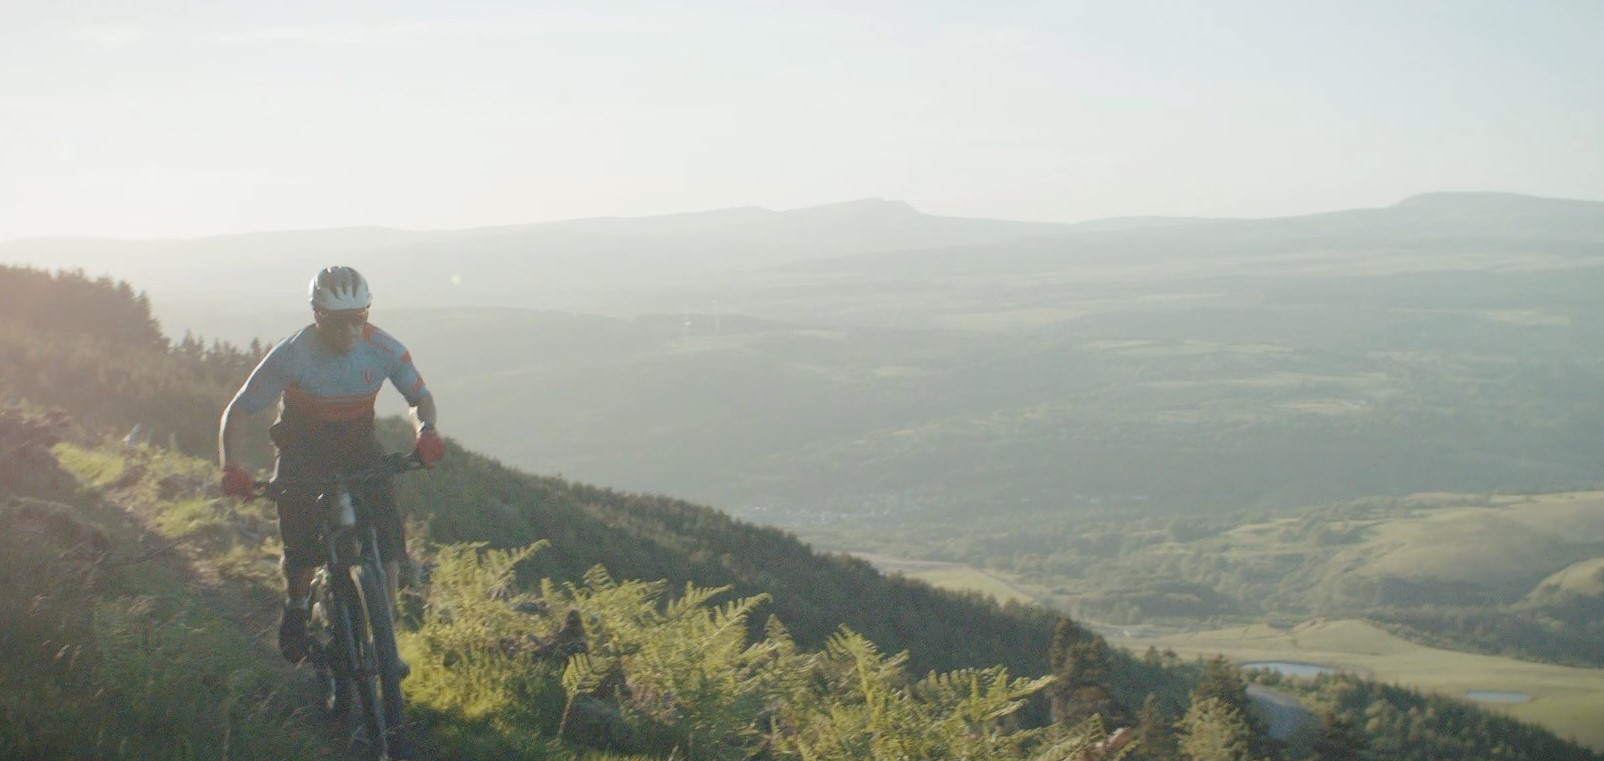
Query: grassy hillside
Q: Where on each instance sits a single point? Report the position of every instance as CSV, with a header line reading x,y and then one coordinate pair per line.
x,y
1581,579
182,585
112,632
144,587
1514,575
207,566
176,392
704,637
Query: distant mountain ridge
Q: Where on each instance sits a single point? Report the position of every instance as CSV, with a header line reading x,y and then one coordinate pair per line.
x,y
1469,198
636,264
1527,227
573,264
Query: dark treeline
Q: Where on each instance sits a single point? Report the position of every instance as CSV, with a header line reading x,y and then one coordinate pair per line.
x,y
91,346
1405,725
1568,635
74,303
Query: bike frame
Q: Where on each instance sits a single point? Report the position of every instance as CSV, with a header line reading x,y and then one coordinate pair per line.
x,y
351,597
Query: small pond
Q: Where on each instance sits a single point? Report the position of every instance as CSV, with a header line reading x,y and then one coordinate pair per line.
x,y
1291,668
1496,696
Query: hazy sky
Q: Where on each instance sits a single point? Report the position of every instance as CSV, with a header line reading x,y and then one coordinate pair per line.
x,y
169,118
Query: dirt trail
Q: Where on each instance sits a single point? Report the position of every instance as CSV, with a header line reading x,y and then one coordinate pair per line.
x,y
252,608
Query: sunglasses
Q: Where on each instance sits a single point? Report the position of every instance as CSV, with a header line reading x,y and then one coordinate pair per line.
x,y
353,319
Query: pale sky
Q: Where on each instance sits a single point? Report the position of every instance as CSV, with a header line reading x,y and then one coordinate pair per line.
x,y
178,118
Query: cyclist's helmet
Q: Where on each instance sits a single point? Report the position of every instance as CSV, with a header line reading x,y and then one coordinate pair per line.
x,y
337,289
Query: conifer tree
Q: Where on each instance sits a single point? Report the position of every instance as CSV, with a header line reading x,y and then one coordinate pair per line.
x,y
1154,734
1082,663
1222,682
1339,740
1213,730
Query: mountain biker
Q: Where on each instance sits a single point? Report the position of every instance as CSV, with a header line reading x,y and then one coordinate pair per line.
x,y
328,375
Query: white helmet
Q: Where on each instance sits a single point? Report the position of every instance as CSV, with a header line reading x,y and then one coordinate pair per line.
x,y
337,289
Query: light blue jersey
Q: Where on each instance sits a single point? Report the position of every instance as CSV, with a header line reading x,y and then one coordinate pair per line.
x,y
318,383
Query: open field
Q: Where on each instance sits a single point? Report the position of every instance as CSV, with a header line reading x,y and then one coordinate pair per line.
x,y
955,576
1567,701
1578,515
1584,578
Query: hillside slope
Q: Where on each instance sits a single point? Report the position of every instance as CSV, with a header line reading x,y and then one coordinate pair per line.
x,y
175,394
713,678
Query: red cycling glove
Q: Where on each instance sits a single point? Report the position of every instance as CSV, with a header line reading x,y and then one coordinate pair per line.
x,y
237,483
430,449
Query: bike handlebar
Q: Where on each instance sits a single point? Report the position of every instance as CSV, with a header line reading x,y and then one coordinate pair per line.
x,y
390,464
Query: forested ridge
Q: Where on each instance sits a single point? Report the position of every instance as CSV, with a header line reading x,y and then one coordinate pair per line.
x,y
103,365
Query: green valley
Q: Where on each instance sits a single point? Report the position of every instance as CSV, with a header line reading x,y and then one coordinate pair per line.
x,y
1169,430
1565,700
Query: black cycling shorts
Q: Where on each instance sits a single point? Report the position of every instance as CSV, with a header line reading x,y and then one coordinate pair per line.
x,y
318,458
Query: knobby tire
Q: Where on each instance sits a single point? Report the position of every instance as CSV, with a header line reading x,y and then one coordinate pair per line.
x,y
330,646
382,649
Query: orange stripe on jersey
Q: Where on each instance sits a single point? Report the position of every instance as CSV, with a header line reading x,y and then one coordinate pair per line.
x,y
328,407
416,386
406,358
368,334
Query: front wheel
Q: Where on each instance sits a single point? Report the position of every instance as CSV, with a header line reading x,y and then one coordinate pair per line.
x,y
380,636
329,650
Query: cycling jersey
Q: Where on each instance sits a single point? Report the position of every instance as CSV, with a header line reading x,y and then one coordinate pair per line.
x,y
320,384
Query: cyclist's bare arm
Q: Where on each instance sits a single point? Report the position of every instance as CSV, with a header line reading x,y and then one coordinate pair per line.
x,y
424,413
231,435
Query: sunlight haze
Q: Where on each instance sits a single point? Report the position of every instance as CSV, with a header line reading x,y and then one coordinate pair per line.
x,y
1082,356
168,119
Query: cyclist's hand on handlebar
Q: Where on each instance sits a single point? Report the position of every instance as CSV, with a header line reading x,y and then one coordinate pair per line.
x,y
429,448
237,483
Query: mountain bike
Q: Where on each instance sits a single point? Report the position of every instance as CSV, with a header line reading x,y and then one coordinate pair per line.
x,y
352,627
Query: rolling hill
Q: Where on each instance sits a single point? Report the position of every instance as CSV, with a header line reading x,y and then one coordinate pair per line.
x,y
1447,342
101,360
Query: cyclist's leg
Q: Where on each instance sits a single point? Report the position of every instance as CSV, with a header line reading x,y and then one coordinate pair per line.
x,y
298,528
298,519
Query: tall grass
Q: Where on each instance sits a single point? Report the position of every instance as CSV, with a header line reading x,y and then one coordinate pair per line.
x,y
90,673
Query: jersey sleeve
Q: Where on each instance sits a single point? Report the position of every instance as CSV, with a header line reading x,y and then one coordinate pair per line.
x,y
404,376
266,382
